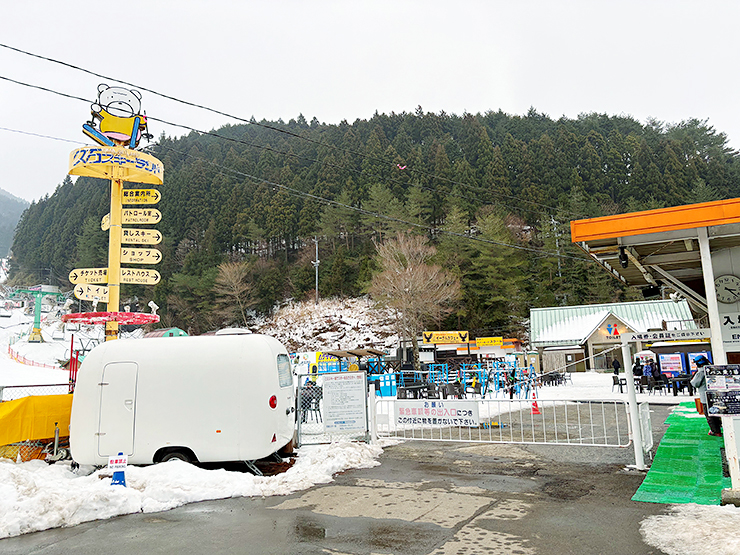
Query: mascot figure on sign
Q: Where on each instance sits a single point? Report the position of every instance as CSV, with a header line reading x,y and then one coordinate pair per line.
x,y
117,119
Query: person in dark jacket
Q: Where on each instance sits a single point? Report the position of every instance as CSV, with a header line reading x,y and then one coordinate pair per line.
x,y
699,381
617,366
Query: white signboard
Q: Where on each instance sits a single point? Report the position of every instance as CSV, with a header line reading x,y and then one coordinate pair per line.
x,y
117,463
669,335
730,328
345,397
437,412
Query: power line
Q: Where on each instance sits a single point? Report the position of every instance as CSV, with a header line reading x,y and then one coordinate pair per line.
x,y
315,197
271,149
252,121
42,136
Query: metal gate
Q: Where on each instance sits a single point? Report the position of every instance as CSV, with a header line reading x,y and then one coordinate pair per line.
x,y
525,421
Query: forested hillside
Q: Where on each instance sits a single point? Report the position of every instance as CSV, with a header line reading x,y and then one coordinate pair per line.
x,y
494,192
11,208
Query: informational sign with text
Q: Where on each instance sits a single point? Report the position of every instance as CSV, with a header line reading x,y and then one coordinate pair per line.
x,y
437,412
345,402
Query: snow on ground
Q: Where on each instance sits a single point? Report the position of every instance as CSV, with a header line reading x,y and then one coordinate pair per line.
x,y
594,385
332,324
694,530
37,496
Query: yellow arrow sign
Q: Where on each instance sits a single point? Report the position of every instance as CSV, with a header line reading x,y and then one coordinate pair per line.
x,y
134,216
141,196
140,216
131,236
88,292
89,275
140,276
140,256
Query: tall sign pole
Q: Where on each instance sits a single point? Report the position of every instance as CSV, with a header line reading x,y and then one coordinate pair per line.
x,y
117,125
114,255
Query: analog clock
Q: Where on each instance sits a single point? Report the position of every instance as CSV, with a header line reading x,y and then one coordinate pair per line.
x,y
728,288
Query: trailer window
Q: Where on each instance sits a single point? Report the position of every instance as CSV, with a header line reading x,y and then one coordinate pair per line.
x,y
285,376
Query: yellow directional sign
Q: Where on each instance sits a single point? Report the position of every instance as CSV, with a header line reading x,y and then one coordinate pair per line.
x,y
140,276
445,336
132,236
140,256
489,341
116,163
140,196
89,275
140,216
105,222
88,292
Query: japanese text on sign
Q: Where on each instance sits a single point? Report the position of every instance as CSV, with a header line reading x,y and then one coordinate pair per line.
x,y
118,462
89,275
116,157
344,402
141,277
437,413
141,196
140,256
667,335
445,337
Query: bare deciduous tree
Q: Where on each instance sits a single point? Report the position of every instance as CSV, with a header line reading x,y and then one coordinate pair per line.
x,y
233,293
417,290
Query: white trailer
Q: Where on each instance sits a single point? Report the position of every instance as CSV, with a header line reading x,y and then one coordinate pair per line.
x,y
205,399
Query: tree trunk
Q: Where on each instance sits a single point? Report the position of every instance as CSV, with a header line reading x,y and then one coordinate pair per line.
x,y
415,343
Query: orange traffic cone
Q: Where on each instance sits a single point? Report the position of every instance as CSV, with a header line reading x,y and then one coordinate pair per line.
x,y
535,408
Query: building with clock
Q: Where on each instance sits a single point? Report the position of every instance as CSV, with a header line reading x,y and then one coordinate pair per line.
x,y
693,250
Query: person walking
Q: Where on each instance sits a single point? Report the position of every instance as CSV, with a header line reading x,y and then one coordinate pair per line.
x,y
699,381
617,366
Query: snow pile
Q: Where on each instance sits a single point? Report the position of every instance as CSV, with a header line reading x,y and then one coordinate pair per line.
x,y
36,496
332,324
695,529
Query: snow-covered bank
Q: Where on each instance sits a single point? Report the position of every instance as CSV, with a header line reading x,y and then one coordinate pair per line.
x,y
694,530
36,496
332,324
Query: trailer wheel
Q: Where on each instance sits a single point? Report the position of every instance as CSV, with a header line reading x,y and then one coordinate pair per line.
x,y
176,456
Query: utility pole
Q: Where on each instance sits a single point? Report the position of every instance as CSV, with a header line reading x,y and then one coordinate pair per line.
x,y
316,266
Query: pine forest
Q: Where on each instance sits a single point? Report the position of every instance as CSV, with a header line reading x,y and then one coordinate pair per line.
x,y
494,194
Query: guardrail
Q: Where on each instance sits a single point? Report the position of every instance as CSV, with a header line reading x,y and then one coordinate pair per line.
x,y
525,421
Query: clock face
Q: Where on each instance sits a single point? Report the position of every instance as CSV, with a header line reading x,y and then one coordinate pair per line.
x,y
728,288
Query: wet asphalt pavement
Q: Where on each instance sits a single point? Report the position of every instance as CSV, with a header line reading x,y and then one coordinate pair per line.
x,y
425,498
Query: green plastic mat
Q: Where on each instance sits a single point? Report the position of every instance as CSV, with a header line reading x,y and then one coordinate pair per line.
x,y
688,464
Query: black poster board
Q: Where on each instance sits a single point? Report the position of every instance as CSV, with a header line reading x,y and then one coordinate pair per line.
x,y
723,389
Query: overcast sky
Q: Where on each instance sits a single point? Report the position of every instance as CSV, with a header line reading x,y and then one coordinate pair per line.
x,y
344,59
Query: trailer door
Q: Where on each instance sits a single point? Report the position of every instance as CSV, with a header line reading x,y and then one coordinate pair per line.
x,y
117,409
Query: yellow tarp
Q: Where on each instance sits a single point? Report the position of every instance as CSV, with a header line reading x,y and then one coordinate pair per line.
x,y
33,418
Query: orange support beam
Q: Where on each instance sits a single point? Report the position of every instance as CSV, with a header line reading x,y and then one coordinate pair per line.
x,y
689,216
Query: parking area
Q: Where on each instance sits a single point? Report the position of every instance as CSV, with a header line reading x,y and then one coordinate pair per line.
x,y
425,498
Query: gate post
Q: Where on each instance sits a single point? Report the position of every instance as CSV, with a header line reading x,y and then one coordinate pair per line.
x,y
373,414
632,403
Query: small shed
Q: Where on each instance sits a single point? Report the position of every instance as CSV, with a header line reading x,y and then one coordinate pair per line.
x,y
166,332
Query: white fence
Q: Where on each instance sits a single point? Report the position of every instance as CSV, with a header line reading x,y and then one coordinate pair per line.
x,y
566,422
